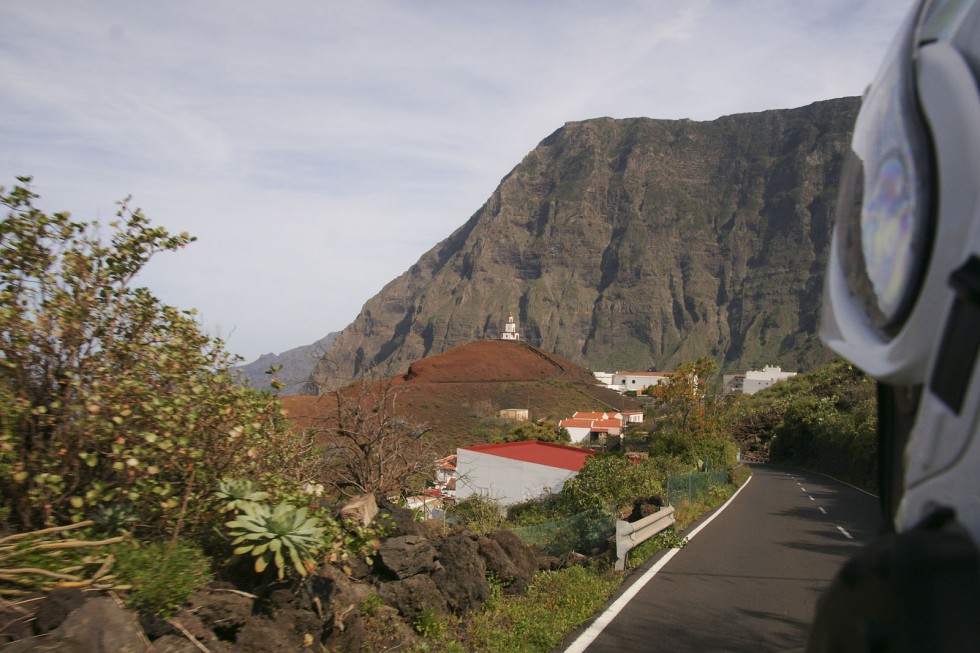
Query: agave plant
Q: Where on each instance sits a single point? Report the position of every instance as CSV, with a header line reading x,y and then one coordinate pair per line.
x,y
237,493
272,534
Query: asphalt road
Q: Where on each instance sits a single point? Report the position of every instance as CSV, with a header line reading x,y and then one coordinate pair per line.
x,y
750,579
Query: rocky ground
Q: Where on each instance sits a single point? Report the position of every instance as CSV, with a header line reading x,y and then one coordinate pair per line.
x,y
419,567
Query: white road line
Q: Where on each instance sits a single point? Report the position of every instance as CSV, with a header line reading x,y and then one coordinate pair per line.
x,y
596,627
810,498
803,488
846,534
820,508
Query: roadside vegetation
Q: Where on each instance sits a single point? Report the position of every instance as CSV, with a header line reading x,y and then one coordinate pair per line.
x,y
824,420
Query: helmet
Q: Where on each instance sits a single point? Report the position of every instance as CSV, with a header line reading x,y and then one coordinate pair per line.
x,y
902,295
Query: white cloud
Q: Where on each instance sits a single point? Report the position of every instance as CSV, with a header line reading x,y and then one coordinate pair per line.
x,y
317,149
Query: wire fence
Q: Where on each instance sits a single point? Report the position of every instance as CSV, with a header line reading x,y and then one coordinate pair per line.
x,y
590,530
691,487
581,532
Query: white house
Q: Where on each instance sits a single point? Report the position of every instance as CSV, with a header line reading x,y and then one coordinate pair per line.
x,y
516,471
637,381
631,416
756,380
592,427
604,379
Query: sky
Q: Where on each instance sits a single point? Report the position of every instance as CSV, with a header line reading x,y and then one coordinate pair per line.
x,y
317,148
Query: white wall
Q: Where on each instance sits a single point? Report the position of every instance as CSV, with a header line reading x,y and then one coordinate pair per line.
x,y
505,480
577,433
756,380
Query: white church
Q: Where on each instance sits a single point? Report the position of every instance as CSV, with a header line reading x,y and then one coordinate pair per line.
x,y
510,329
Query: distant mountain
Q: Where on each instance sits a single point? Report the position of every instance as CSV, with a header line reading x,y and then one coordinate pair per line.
x,y
297,366
631,244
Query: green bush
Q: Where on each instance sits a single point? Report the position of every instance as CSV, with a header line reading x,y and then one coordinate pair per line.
x,y
480,514
825,420
161,577
108,396
429,624
613,480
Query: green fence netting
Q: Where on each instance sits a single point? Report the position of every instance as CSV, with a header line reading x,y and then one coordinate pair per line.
x,y
581,532
693,486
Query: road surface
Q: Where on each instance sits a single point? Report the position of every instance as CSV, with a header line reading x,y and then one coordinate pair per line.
x,y
750,579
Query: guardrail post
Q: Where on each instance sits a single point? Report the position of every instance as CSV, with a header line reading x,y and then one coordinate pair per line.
x,y
631,534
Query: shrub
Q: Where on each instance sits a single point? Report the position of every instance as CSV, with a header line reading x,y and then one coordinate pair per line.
x,y
108,396
612,480
429,624
480,514
161,577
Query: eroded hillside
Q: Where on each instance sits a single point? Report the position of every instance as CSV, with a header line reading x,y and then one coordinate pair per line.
x,y
631,244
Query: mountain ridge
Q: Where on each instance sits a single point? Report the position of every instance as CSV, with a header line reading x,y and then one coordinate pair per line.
x,y
630,243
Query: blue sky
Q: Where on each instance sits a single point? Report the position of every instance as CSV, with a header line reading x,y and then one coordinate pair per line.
x,y
318,148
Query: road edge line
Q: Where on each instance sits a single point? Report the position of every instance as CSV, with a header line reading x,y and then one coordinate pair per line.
x,y
594,629
833,478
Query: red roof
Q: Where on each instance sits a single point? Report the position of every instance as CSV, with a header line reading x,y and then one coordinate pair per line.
x,y
608,423
540,453
575,422
582,415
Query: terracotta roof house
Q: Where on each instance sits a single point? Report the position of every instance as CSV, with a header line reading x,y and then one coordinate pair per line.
x,y
516,471
591,427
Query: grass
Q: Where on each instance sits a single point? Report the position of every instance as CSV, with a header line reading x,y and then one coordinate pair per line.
x,y
162,576
554,604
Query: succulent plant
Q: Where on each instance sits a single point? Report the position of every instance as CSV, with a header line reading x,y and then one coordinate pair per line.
x,y
114,517
272,534
238,492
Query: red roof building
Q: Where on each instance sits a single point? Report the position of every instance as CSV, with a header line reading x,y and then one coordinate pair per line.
x,y
516,471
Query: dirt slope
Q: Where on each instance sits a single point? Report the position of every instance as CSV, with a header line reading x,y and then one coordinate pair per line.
x,y
460,392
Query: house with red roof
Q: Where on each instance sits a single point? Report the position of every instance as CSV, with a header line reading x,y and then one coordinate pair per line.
x,y
592,427
512,472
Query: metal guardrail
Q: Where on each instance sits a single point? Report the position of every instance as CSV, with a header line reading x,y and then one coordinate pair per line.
x,y
742,458
631,534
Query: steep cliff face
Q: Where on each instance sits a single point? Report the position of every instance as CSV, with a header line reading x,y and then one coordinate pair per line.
x,y
633,243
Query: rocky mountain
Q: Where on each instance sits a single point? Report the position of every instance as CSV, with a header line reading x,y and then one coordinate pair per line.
x,y
297,366
631,244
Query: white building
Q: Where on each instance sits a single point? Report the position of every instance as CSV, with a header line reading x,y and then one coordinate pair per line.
x,y
516,471
514,414
593,427
604,378
756,380
510,329
637,381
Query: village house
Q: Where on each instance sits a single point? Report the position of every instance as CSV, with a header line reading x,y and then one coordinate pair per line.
x,y
754,380
585,427
515,414
516,471
631,416
432,503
